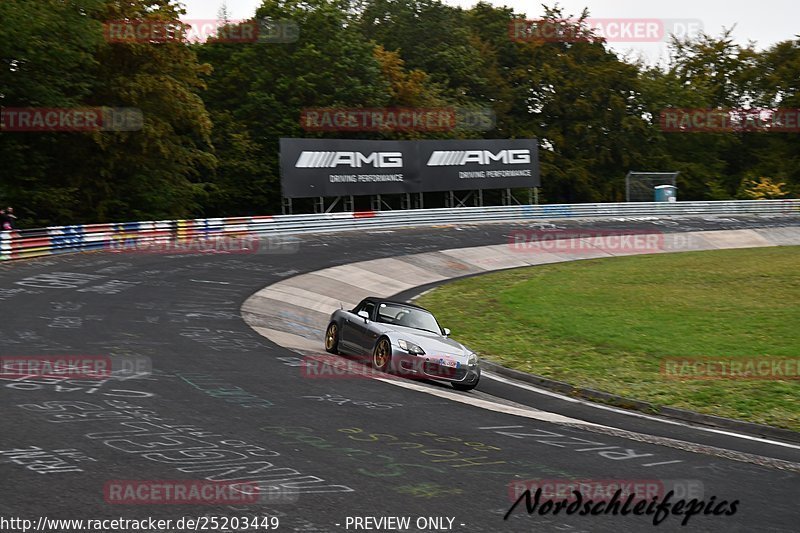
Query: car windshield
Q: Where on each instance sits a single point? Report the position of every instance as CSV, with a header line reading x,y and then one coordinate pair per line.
x,y
409,317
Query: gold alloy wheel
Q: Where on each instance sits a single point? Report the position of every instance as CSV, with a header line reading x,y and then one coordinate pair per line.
x,y
382,354
330,337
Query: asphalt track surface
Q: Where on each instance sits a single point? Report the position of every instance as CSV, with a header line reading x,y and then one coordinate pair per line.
x,y
321,449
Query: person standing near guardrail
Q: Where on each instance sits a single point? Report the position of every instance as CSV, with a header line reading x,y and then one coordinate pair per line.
x,y
7,218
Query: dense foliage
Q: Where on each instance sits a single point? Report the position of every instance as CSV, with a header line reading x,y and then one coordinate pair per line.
x,y
213,112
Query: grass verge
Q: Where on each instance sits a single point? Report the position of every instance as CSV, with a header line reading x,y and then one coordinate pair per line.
x,y
608,324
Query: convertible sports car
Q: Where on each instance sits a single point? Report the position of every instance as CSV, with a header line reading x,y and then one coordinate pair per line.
x,y
404,339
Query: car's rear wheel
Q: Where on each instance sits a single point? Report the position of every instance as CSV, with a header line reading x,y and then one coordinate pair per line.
x,y
332,338
382,355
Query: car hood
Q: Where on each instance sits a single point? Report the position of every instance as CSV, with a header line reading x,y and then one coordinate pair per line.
x,y
432,343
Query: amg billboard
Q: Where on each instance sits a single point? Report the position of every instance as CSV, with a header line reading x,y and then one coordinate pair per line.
x,y
336,167
478,164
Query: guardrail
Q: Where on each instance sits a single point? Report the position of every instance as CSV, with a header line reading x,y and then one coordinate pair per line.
x,y
26,243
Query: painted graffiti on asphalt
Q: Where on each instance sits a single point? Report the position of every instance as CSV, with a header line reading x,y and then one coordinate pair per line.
x,y
134,429
44,461
216,388
341,400
559,440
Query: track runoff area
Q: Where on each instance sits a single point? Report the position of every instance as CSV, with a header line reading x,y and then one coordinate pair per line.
x,y
180,412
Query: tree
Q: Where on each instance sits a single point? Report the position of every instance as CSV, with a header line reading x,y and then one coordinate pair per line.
x,y
778,87
258,91
763,188
154,172
214,112
104,175
585,106
46,60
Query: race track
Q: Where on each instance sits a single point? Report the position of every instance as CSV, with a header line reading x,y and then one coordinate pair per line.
x,y
224,403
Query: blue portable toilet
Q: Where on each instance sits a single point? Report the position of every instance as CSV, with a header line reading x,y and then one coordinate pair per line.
x,y
666,193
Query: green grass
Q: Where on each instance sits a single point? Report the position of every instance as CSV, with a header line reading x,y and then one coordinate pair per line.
x,y
608,323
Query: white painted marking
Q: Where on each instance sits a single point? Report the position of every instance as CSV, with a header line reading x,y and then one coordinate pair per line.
x,y
491,406
420,295
209,281
662,463
545,392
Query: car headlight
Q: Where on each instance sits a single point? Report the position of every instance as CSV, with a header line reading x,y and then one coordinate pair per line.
x,y
473,359
410,347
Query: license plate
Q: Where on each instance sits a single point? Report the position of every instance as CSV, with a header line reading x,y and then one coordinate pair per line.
x,y
448,362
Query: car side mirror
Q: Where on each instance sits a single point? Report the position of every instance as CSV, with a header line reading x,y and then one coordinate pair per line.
x,y
446,332
364,315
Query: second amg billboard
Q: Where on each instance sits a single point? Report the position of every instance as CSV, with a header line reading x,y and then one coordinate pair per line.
x,y
478,164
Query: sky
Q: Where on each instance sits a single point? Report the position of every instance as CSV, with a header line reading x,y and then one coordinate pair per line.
x,y
766,21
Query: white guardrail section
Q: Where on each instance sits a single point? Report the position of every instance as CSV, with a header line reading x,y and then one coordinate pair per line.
x,y
19,244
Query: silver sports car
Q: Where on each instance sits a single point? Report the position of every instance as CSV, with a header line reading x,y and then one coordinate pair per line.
x,y
403,339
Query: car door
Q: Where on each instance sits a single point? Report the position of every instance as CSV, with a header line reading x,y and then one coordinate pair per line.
x,y
362,335
352,331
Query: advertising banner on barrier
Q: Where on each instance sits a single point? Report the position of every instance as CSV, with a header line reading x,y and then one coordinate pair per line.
x,y
339,167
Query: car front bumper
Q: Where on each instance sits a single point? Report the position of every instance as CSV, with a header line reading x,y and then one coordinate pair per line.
x,y
427,367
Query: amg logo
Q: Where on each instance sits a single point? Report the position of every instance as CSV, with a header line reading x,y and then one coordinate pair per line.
x,y
314,159
448,158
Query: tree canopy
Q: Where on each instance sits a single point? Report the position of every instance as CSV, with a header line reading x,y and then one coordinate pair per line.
x,y
214,111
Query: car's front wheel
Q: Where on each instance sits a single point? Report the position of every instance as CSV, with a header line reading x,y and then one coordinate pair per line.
x,y
382,355
332,338
465,386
